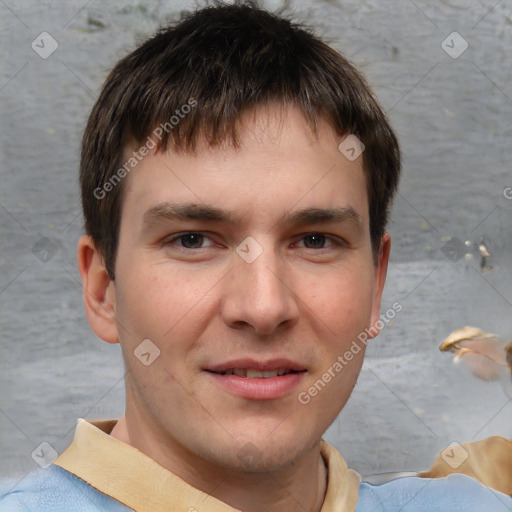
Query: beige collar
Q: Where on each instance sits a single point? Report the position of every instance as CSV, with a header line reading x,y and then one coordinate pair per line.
x,y
127,475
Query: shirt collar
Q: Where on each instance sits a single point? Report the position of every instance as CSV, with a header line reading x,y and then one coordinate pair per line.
x,y
131,477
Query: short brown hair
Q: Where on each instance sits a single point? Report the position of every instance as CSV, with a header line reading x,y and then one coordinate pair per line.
x,y
223,60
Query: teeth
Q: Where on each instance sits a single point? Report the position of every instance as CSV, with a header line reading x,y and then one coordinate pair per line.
x,y
256,374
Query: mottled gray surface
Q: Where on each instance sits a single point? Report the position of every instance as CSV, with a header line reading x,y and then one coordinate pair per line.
x,y
454,120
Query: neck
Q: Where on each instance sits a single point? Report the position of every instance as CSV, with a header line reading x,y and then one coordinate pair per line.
x,y
285,490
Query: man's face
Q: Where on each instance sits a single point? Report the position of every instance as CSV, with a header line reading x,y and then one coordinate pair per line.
x,y
259,259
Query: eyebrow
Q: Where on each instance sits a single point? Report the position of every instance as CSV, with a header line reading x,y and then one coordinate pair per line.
x,y
319,215
191,211
186,211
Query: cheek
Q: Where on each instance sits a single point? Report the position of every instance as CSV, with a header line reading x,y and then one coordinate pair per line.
x,y
163,304
341,300
141,304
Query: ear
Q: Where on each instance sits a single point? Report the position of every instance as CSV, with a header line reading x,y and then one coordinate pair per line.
x,y
379,278
99,291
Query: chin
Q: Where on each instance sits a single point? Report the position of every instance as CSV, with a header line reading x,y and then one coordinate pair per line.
x,y
261,455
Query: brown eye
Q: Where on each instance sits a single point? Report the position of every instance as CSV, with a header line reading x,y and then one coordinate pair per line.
x,y
189,240
314,241
192,240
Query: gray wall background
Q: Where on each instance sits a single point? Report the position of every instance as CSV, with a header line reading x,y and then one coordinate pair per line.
x,y
453,116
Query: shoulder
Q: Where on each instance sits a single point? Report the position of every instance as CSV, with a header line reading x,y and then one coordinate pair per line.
x,y
413,494
54,490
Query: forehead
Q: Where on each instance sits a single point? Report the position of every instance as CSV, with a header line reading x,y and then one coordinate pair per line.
x,y
280,164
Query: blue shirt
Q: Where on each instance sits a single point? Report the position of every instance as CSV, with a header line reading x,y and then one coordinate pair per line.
x,y
56,490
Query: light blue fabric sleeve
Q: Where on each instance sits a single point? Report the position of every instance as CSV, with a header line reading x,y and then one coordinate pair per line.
x,y
454,493
54,490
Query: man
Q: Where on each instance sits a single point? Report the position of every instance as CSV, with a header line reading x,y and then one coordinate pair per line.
x,y
236,178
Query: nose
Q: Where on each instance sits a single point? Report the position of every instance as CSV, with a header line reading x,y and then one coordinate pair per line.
x,y
258,297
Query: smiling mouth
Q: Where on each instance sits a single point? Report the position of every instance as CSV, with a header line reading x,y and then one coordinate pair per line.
x,y
250,373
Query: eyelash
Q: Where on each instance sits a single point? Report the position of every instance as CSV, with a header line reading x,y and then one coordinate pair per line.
x,y
186,233
334,240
